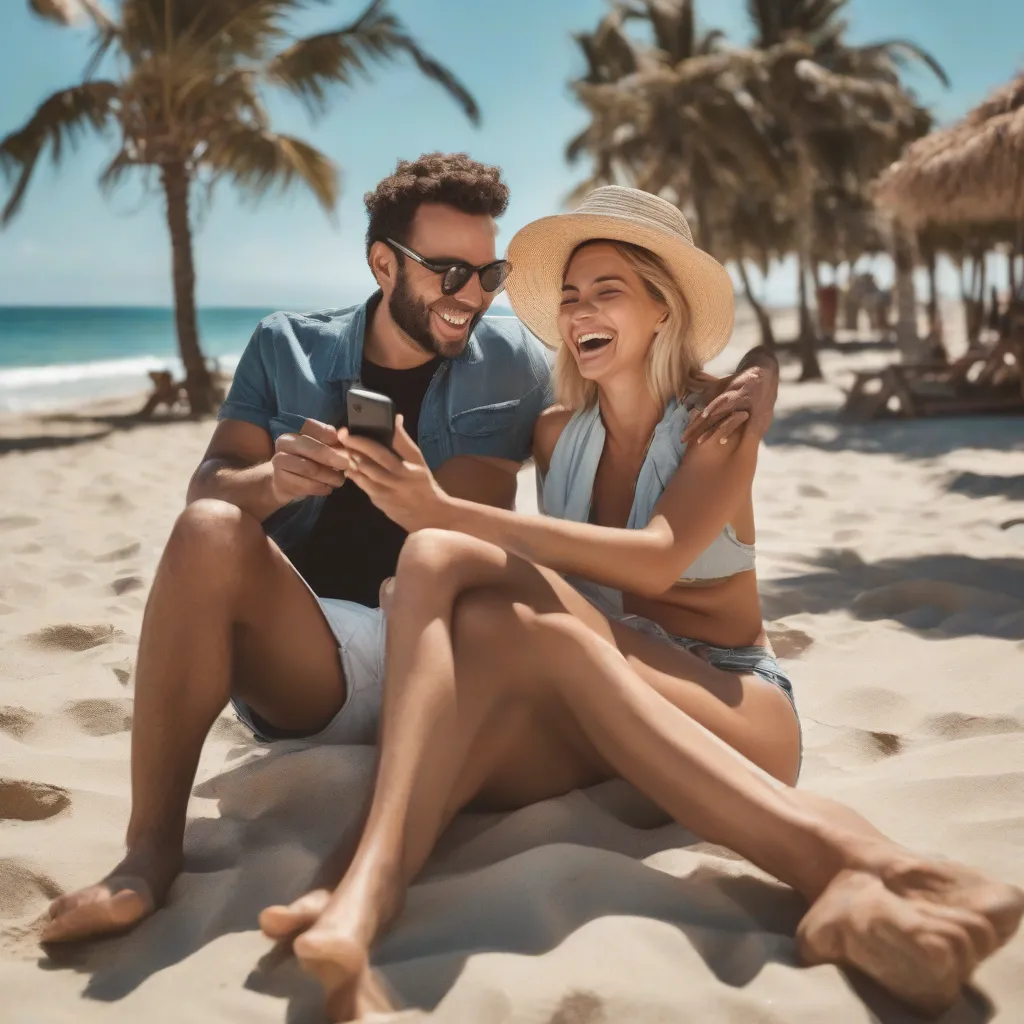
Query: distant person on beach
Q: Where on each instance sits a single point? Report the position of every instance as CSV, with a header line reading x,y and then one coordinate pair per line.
x,y
618,634
300,653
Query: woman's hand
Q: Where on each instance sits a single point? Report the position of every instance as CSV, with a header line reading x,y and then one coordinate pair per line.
x,y
398,482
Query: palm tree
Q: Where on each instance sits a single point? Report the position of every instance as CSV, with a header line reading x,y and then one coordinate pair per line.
x,y
185,107
668,117
843,108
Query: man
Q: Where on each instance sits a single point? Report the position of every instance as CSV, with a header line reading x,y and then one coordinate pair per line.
x,y
300,653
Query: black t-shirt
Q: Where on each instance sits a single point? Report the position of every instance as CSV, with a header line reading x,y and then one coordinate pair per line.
x,y
353,547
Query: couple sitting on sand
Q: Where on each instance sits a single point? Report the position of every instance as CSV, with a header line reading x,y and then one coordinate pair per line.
x,y
619,634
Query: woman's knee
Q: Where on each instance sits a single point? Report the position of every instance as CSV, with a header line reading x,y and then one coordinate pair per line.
x,y
441,558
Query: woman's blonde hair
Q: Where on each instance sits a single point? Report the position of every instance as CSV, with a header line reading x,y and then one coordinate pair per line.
x,y
671,362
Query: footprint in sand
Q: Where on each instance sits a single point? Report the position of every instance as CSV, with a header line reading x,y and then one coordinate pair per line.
x,y
126,584
955,725
844,536
21,889
17,722
122,671
72,636
129,551
101,717
886,743
579,1008
18,522
31,801
789,643
810,491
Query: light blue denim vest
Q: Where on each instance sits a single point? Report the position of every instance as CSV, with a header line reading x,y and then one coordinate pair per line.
x,y
566,490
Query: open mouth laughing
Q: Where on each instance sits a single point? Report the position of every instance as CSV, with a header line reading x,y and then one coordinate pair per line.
x,y
453,318
593,341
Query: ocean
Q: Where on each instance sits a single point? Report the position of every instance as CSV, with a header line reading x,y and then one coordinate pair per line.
x,y
53,357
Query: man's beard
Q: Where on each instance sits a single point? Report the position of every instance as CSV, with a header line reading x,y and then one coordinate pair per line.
x,y
412,316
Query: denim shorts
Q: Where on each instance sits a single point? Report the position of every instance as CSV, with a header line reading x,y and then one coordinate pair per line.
x,y
757,661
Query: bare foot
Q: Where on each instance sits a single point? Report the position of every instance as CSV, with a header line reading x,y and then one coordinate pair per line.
x,y
130,893
917,928
342,966
335,949
282,922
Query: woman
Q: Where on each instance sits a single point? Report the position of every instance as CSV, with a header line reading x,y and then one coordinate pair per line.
x,y
510,679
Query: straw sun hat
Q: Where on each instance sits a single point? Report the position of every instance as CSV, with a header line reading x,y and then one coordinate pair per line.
x,y
540,251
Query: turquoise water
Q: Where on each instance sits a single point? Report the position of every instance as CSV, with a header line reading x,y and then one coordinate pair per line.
x,y
53,356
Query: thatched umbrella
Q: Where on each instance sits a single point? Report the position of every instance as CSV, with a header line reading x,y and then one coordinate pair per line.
x,y
970,173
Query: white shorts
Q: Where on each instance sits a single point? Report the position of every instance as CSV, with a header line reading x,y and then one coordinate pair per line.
x,y
360,632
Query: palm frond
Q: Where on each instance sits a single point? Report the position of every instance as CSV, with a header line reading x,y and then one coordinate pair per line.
x,y
310,66
67,12
114,173
59,121
260,161
232,28
904,53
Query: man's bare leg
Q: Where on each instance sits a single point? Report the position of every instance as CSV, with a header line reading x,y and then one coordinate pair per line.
x,y
225,606
918,928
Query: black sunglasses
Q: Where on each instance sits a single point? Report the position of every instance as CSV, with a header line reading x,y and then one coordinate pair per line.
x,y
455,274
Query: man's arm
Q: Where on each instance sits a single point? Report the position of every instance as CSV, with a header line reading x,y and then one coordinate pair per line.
x,y
746,398
242,467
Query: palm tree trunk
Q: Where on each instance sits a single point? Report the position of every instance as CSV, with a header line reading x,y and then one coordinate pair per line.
x,y
906,301
934,312
810,368
767,334
198,383
702,208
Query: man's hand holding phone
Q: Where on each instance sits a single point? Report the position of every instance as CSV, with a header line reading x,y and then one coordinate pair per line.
x,y
309,463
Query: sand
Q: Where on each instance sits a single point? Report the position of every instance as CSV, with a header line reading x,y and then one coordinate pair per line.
x,y
891,560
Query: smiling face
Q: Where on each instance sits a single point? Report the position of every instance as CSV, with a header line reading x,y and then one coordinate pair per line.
x,y
608,317
439,324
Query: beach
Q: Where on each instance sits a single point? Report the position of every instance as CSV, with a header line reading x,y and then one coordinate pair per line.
x,y
891,566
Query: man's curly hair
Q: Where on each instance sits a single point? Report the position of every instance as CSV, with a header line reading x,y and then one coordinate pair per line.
x,y
450,178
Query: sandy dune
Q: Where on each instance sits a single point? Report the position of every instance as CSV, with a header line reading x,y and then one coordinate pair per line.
x,y
892,568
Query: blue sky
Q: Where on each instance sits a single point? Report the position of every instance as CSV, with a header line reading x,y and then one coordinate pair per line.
x,y
70,245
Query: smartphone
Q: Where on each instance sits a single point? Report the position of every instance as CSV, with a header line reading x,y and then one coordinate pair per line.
x,y
371,415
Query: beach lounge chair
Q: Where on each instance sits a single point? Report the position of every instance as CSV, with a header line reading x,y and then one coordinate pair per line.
x,y
983,380
166,391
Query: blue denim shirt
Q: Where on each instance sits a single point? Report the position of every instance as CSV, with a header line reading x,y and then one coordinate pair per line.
x,y
299,366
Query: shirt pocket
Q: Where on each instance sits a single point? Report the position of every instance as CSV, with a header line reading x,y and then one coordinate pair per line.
x,y
484,420
286,423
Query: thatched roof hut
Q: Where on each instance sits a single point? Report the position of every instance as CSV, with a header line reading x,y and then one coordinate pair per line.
x,y
972,172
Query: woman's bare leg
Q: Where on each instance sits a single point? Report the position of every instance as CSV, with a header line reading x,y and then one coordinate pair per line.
x,y
918,928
